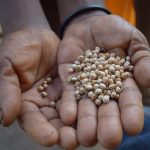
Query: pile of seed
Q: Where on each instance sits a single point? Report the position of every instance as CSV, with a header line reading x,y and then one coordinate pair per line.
x,y
99,75
42,89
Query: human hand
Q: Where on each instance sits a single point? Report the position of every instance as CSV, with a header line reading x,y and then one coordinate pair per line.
x,y
43,122
108,121
25,57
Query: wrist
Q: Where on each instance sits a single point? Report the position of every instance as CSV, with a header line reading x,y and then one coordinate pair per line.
x,y
86,15
18,14
83,15
66,7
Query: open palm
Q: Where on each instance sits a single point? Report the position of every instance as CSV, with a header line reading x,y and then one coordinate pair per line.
x,y
107,122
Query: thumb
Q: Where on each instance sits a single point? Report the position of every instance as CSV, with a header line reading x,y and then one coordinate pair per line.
x,y
140,56
10,94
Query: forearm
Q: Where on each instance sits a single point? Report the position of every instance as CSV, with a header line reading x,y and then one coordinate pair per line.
x,y
15,14
67,6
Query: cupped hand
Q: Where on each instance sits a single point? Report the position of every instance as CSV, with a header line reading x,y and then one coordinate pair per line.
x,y
42,122
107,122
26,56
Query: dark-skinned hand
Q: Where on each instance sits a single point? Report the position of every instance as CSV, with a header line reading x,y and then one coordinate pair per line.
x,y
28,56
106,123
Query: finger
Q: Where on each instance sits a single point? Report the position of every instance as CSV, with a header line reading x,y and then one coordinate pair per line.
x,y
69,50
67,135
109,130
33,122
130,103
87,123
58,104
68,108
68,138
57,123
10,94
49,113
140,56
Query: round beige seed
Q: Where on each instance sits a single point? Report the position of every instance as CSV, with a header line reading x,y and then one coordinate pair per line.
x,y
78,68
98,91
99,81
96,63
52,104
93,66
82,90
100,67
105,80
77,93
49,80
80,58
113,95
44,94
118,90
111,60
70,70
90,94
131,68
44,82
73,79
118,79
102,74
83,75
94,97
100,97
111,69
96,86
119,84
117,68
40,88
112,86
73,66
113,77
88,54
110,81
98,102
77,62
106,99
128,58
93,75
45,86
89,87
109,93
102,86
112,55
84,81
77,84
126,66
